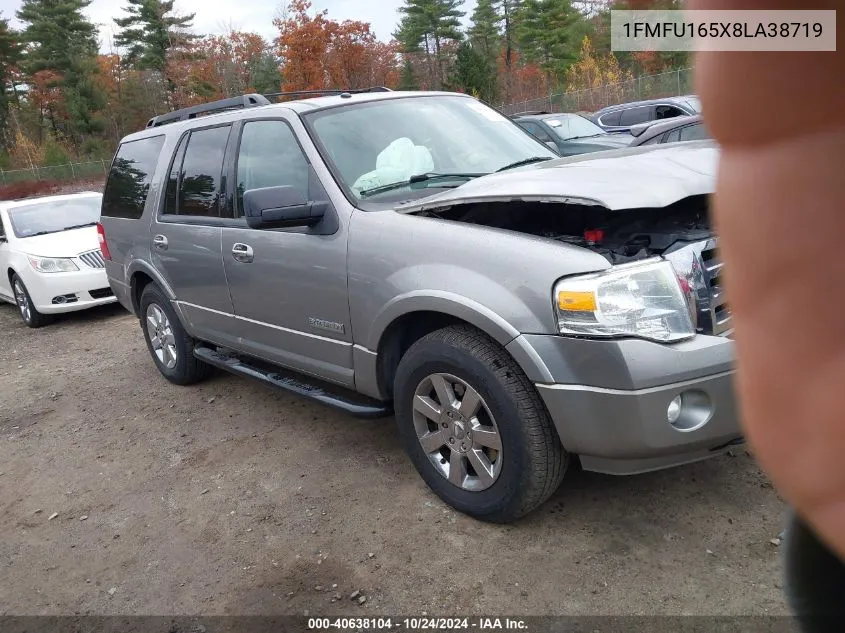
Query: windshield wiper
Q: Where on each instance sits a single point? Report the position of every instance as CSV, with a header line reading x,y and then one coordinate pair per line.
x,y
576,138
79,226
417,179
527,161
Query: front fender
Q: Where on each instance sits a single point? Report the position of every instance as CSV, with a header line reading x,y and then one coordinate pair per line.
x,y
443,302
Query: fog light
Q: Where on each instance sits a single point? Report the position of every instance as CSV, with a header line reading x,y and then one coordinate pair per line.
x,y
690,411
674,412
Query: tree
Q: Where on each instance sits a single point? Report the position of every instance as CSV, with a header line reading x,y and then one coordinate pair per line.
x,y
319,53
10,52
508,9
408,79
596,71
484,31
150,31
61,54
430,25
473,73
545,34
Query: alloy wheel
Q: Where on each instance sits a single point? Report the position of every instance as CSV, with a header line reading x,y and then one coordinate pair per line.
x,y
457,432
161,336
23,301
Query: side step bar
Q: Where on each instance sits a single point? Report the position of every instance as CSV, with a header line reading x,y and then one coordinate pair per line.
x,y
353,404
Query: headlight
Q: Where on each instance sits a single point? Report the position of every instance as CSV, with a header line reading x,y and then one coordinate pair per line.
x,y
642,300
52,264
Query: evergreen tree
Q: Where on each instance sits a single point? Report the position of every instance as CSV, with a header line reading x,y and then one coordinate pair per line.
x,y
428,25
408,80
484,31
149,31
63,44
9,57
547,32
264,74
473,73
508,9
58,33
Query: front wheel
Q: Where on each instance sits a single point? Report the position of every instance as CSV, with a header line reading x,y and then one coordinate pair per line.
x,y
31,317
169,345
475,427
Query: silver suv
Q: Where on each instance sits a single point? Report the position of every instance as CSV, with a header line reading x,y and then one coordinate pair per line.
x,y
419,254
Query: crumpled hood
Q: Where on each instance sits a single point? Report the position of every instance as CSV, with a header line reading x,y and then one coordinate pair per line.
x,y
631,178
64,244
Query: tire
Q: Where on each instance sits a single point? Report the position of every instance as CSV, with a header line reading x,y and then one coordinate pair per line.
x,y
31,317
166,338
531,464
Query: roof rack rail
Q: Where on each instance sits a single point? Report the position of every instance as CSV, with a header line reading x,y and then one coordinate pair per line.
x,y
235,103
247,101
326,93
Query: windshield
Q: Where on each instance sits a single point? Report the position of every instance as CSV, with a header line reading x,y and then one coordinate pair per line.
x,y
574,127
378,144
54,216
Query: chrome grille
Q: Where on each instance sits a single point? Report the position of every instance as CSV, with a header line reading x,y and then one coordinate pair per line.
x,y
720,313
700,269
93,259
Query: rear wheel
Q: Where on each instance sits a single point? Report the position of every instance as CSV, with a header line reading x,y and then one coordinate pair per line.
x,y
31,317
475,427
169,345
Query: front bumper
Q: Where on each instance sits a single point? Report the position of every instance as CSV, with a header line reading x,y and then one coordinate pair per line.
x,y
616,416
45,288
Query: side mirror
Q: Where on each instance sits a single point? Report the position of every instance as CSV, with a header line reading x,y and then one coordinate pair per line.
x,y
280,207
3,239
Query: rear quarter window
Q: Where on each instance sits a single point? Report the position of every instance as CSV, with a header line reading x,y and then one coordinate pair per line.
x,y
130,176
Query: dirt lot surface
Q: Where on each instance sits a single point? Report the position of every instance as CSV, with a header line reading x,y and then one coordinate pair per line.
x,y
122,494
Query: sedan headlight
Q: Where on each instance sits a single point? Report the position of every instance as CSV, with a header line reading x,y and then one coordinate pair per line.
x,y
643,300
52,264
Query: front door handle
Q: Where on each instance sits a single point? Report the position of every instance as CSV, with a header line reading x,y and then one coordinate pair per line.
x,y
160,242
243,253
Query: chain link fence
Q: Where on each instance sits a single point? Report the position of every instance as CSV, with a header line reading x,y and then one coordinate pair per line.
x,y
56,173
670,84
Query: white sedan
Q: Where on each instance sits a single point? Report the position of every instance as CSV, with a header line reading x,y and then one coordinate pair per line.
x,y
50,259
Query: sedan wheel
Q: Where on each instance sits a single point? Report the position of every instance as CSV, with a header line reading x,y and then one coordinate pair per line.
x,y
30,315
23,301
161,336
457,431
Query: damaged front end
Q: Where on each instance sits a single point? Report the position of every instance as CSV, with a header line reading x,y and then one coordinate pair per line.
x,y
680,233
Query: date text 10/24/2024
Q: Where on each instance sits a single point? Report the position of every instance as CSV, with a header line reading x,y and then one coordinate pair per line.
x,y
412,625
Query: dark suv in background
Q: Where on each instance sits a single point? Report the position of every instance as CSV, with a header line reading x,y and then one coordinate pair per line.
x,y
569,134
622,117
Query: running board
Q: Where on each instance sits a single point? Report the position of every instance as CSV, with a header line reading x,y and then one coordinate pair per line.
x,y
353,404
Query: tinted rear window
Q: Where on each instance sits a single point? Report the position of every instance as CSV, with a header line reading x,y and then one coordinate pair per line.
x,y
130,178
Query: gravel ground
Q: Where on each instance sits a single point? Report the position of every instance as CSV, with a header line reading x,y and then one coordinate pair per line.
x,y
123,494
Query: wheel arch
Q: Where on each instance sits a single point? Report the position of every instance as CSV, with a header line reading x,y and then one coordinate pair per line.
x,y
402,323
140,276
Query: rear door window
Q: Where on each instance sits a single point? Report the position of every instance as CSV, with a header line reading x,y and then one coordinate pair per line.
x,y
634,116
200,179
130,176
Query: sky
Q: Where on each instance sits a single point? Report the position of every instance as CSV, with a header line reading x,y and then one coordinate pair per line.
x,y
215,16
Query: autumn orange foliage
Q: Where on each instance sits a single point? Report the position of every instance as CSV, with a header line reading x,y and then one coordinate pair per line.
x,y
320,53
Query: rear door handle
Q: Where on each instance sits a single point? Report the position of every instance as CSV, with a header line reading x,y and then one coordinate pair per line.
x,y
160,242
243,253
